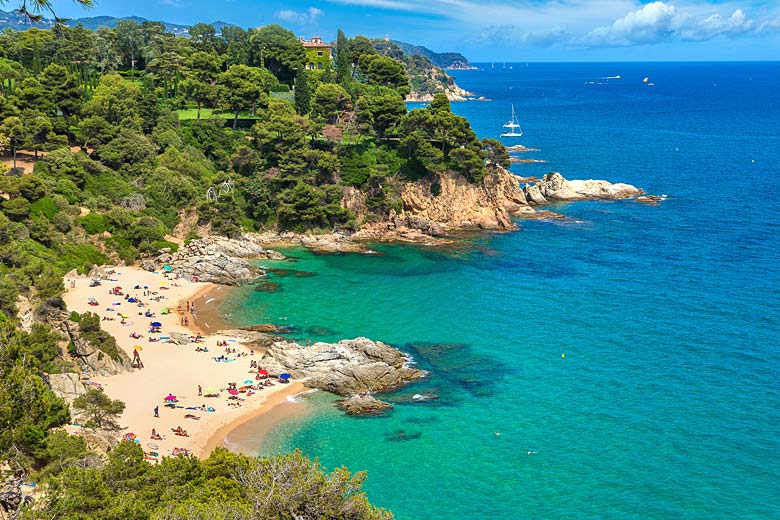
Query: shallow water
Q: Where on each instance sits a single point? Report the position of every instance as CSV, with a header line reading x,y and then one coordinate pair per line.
x,y
666,402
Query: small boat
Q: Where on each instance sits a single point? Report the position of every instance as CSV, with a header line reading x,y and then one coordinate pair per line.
x,y
512,126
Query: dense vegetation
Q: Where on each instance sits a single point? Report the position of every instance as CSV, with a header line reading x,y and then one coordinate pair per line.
x,y
119,169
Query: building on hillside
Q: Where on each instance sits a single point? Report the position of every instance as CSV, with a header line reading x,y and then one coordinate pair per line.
x,y
318,53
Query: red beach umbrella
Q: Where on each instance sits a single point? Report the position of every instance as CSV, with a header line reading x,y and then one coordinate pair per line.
x,y
233,392
170,397
263,371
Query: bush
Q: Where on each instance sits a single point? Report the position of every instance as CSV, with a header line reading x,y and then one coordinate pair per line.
x,y
94,223
44,206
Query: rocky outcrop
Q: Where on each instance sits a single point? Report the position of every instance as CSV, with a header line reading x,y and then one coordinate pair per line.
x,y
215,259
67,386
344,368
325,243
454,203
452,91
364,405
554,187
91,358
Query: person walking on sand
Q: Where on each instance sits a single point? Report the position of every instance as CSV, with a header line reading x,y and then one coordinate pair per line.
x,y
200,390
157,411
137,359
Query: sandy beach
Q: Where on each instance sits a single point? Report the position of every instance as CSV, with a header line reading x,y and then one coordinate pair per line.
x,y
170,368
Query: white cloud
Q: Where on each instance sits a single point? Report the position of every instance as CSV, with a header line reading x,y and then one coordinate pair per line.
x,y
659,22
308,16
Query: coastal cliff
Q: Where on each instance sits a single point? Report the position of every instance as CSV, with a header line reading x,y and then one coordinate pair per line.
x,y
444,203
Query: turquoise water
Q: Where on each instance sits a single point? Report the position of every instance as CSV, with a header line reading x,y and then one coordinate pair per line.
x,y
666,403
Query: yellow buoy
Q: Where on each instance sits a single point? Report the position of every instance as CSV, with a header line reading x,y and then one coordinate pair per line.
x,y
563,356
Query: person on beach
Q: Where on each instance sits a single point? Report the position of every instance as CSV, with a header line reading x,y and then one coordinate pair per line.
x,y
200,390
137,359
157,411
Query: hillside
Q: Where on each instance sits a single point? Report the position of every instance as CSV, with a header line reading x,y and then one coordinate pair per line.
x,y
445,60
18,22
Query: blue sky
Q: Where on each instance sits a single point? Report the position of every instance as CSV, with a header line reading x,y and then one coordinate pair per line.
x,y
503,30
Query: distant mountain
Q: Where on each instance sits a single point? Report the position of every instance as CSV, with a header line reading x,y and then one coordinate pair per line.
x,y
445,60
18,22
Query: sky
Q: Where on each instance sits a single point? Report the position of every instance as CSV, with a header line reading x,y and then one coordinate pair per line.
x,y
502,30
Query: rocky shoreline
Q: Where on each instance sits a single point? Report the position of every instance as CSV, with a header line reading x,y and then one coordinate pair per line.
x,y
357,368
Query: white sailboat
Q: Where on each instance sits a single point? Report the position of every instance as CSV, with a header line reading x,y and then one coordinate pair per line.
x,y
512,126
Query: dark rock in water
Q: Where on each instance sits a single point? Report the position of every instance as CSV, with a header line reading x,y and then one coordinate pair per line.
x,y
422,420
268,328
363,405
459,366
320,331
278,271
268,286
401,435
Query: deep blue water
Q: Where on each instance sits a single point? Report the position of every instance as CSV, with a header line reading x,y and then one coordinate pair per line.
x,y
667,403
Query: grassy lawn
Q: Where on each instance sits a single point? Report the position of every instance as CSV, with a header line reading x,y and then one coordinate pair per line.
x,y
189,114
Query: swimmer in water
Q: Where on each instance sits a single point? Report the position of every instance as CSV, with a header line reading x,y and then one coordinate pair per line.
x,y
530,452
497,434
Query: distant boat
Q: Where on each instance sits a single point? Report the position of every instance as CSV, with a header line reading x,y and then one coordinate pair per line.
x,y
512,126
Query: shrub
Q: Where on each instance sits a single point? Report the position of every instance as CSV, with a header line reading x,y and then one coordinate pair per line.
x,y
94,223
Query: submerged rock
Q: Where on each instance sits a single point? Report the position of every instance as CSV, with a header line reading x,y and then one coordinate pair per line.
x,y
364,405
401,435
268,328
268,286
278,271
344,368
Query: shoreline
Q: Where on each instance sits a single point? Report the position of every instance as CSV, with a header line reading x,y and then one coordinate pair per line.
x,y
171,368
270,405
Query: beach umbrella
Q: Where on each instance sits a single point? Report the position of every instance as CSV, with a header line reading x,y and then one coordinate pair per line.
x,y
263,372
117,288
248,382
156,324
284,376
123,316
233,392
170,397
131,300
91,300
167,267
210,391
138,347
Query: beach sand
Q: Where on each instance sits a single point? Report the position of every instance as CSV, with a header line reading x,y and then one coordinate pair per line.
x,y
170,368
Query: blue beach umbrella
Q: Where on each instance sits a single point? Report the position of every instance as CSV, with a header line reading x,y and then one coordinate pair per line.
x,y
248,382
167,267
284,376
156,324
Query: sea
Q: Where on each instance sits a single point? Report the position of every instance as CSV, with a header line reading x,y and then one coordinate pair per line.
x,y
620,363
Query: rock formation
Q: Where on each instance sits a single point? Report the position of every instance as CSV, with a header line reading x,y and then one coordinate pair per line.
x,y
363,404
443,203
67,386
215,259
344,368
554,187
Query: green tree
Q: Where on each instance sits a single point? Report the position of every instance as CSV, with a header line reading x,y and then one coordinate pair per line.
x,y
202,71
384,71
99,410
278,50
386,110
302,93
329,101
14,132
129,40
245,87
343,64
